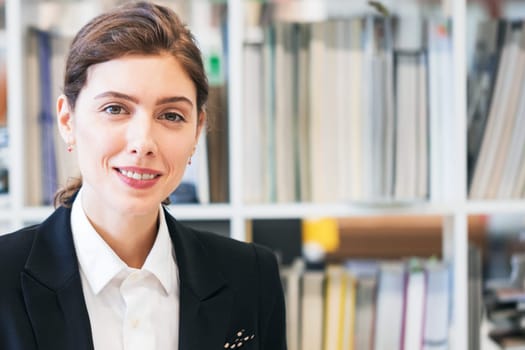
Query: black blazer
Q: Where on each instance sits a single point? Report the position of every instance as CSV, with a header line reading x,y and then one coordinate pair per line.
x,y
226,288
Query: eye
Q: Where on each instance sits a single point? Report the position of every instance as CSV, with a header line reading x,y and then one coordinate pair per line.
x,y
172,117
114,109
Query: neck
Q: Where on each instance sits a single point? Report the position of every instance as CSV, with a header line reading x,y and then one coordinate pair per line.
x,y
131,241
131,237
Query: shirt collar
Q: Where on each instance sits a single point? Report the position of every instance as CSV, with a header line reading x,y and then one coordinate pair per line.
x,y
161,259
101,264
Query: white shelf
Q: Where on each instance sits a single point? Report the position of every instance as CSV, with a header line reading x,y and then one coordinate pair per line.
x,y
36,214
303,210
495,207
5,215
181,212
308,210
202,212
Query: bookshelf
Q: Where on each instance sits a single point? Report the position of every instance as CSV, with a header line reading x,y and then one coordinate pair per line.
x,y
453,204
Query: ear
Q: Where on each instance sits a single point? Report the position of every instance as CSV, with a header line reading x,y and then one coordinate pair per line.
x,y
201,122
65,120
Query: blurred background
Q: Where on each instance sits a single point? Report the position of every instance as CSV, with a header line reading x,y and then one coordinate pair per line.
x,y
376,146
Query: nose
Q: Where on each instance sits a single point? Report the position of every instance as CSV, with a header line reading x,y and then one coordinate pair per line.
x,y
140,135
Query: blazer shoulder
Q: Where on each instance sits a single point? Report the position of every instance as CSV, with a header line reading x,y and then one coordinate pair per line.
x,y
14,251
15,246
232,257
227,246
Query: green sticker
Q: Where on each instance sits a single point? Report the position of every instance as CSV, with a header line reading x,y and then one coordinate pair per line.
x,y
214,69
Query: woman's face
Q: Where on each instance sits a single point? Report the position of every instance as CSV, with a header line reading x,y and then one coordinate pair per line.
x,y
134,128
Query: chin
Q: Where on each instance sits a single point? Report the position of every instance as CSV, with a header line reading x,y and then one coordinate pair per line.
x,y
139,207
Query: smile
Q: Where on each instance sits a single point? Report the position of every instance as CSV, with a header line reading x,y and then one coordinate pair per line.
x,y
136,175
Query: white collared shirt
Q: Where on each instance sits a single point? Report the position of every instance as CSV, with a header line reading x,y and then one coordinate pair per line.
x,y
129,309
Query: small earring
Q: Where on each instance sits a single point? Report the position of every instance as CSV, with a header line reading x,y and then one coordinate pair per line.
x,y
70,148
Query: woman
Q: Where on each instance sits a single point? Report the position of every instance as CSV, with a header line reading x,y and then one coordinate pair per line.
x,y
110,268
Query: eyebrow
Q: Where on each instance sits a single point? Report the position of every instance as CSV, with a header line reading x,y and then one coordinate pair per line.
x,y
174,99
164,100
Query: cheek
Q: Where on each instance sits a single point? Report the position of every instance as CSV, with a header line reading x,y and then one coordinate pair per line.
x,y
94,146
178,152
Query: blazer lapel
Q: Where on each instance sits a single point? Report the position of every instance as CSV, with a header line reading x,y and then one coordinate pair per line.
x,y
205,298
52,288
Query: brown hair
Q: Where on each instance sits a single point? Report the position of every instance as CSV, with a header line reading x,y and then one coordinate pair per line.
x,y
134,28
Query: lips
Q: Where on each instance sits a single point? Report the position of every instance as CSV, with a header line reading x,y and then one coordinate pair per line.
x,y
138,177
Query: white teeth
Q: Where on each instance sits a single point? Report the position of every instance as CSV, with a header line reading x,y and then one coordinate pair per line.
x,y
136,176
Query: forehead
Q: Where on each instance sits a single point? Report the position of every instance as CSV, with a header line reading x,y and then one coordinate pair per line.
x,y
142,75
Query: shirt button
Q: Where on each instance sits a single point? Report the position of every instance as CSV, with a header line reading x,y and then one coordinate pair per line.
x,y
135,323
